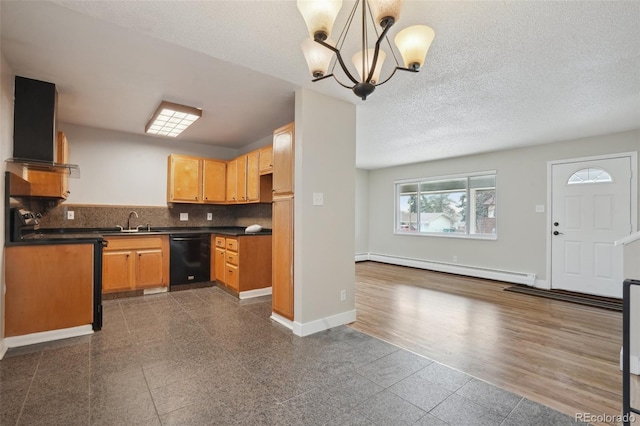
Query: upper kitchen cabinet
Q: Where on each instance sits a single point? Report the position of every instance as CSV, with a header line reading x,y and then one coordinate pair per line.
x,y
52,183
283,160
266,160
195,180
213,181
245,184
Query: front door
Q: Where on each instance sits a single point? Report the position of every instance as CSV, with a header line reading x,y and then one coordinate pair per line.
x,y
590,210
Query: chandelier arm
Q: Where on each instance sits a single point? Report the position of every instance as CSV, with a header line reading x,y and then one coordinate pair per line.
x,y
394,71
340,61
335,78
377,50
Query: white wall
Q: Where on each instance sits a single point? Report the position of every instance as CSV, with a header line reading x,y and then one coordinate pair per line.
x,y
362,211
6,148
521,184
124,169
323,235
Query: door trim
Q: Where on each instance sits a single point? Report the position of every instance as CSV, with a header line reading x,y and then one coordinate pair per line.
x,y
633,155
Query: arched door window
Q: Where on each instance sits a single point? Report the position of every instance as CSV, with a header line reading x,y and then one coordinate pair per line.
x,y
590,175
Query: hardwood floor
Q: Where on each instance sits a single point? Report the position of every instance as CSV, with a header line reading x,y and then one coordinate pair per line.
x,y
560,354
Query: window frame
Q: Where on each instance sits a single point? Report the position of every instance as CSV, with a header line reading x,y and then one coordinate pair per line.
x,y
467,235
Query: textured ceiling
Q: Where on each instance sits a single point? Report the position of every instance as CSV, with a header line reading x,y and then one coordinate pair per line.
x,y
498,75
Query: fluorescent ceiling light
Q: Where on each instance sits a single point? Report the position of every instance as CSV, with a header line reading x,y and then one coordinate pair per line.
x,y
172,119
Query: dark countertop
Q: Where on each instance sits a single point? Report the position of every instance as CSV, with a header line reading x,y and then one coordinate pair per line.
x,y
90,235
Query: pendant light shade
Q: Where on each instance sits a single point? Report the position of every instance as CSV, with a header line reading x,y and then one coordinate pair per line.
x,y
413,44
357,62
382,9
377,17
319,15
318,57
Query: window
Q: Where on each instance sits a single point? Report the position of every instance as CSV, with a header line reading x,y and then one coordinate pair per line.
x,y
590,175
463,205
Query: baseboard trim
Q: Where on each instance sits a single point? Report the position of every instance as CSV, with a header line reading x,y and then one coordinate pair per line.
x,y
634,367
322,324
155,290
249,294
3,348
451,268
282,320
361,257
47,336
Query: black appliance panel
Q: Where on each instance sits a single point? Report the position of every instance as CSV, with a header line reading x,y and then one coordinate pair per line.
x,y
189,259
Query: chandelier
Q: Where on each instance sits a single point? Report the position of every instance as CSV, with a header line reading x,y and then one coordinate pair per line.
x,y
319,15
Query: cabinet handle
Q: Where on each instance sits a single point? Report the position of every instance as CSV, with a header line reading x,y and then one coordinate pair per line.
x,y
139,254
230,258
230,271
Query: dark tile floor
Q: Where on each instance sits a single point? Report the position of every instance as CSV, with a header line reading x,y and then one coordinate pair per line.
x,y
200,357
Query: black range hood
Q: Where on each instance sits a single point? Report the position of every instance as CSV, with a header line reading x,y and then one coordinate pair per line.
x,y
34,126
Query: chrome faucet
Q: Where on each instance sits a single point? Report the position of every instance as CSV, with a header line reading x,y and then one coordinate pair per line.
x,y
129,219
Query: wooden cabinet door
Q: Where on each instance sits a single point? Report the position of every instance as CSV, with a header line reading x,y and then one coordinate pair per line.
x,y
282,240
62,157
232,276
283,160
149,268
214,178
116,271
253,177
220,264
48,287
184,179
232,168
48,183
241,179
266,159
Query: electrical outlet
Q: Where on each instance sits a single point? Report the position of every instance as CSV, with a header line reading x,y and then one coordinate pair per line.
x,y
318,198
184,216
455,259
70,215
343,295
539,208
209,216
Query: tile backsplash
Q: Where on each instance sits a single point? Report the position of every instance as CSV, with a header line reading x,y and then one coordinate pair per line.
x,y
87,216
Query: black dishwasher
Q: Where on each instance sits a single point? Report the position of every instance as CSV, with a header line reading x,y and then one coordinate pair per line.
x,y
189,259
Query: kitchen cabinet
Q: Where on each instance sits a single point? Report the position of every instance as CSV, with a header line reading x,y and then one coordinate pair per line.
x,y
195,180
283,221
52,183
243,263
283,159
214,175
48,287
253,176
266,160
237,180
133,263
282,233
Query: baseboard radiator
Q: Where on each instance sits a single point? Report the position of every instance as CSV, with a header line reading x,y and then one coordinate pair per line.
x,y
452,268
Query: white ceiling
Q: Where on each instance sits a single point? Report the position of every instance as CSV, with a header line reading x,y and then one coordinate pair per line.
x,y
499,74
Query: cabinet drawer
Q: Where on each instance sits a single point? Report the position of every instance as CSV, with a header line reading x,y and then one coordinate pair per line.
x,y
232,258
133,243
232,244
231,276
220,242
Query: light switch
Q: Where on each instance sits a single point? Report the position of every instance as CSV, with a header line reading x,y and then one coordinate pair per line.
x,y
318,198
539,208
184,216
209,216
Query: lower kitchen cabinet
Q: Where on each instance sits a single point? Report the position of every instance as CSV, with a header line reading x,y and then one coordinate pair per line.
x,y
282,293
132,263
243,262
48,287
